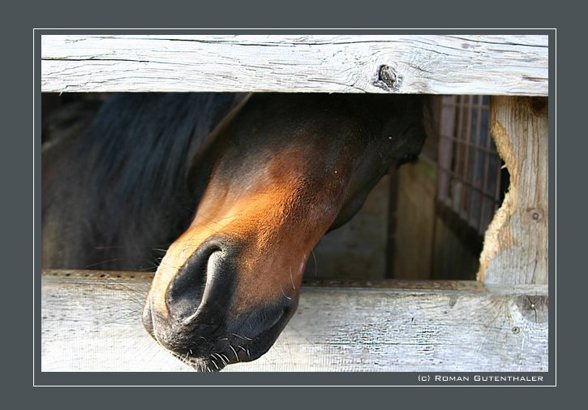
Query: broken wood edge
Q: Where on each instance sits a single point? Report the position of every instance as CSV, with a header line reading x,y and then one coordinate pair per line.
x,y
499,235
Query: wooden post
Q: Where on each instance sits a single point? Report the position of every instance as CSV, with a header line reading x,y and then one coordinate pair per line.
x,y
515,245
391,231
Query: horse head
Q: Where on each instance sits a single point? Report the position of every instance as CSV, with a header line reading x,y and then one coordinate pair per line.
x,y
282,172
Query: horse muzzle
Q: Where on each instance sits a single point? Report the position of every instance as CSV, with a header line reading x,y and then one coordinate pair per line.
x,y
202,319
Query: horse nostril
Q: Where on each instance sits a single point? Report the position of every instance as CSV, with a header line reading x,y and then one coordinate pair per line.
x,y
186,292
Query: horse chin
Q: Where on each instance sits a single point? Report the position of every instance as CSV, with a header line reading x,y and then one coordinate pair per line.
x,y
199,364
265,340
244,352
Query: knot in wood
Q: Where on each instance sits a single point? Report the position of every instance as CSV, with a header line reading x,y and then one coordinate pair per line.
x,y
535,309
535,214
388,78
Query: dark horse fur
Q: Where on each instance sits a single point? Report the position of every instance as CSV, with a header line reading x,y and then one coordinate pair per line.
x,y
235,189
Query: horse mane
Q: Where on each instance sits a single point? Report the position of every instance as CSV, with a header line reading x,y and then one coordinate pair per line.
x,y
130,169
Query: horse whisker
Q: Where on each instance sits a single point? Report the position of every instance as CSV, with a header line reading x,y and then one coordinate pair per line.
x,y
214,363
292,279
241,337
283,293
315,263
226,358
234,351
220,357
101,263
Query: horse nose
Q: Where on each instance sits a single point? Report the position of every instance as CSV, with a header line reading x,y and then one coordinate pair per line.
x,y
204,279
204,312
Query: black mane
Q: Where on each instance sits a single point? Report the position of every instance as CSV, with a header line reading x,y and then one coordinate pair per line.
x,y
130,169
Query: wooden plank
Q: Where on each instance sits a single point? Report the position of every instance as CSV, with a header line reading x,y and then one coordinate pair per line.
x,y
515,245
92,323
431,64
362,240
415,220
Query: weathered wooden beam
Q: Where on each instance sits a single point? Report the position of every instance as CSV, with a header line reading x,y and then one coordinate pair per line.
x,y
91,322
431,64
515,246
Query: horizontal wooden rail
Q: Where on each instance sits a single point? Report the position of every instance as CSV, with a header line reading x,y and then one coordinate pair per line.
x,y
430,64
91,322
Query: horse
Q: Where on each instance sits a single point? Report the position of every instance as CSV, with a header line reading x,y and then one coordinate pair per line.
x,y
236,189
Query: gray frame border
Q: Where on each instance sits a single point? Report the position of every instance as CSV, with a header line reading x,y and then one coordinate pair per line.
x,y
261,379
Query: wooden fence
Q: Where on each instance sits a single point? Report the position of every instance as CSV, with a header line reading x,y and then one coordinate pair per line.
x,y
91,321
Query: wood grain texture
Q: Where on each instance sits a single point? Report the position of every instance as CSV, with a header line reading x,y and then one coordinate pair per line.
x,y
414,221
515,246
432,64
362,240
92,323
